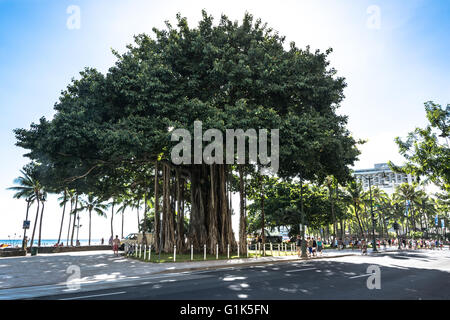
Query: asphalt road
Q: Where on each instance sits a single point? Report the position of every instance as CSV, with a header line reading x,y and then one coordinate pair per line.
x,y
405,275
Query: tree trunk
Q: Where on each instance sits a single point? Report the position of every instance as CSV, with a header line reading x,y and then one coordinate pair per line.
x,y
40,224
180,213
156,234
112,218
90,211
74,219
168,213
35,223
70,220
359,221
62,218
332,214
197,226
242,217
138,221
24,244
144,228
304,254
263,235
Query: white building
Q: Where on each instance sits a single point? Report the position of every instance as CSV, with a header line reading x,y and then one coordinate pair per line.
x,y
382,177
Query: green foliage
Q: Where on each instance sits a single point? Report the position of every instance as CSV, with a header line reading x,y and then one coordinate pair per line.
x,y
427,150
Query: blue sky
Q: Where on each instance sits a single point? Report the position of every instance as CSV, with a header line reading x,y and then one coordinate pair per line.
x,y
391,70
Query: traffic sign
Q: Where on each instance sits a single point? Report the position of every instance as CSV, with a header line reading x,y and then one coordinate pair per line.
x,y
26,224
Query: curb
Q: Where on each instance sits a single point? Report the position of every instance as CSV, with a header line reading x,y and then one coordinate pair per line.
x,y
245,264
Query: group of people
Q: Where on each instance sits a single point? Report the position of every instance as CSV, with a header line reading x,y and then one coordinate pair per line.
x,y
314,247
391,242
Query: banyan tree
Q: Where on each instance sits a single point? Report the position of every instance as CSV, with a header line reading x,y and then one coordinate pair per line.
x,y
113,131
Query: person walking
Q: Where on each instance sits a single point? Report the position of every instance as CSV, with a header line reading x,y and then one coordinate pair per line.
x,y
299,245
319,246
310,244
314,247
116,243
363,247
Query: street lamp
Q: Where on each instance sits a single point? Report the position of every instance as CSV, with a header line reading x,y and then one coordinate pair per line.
x,y
374,242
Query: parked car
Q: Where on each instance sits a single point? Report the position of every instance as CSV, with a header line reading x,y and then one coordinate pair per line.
x,y
134,238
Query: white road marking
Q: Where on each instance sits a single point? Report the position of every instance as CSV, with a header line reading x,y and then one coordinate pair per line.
x,y
95,295
362,275
297,270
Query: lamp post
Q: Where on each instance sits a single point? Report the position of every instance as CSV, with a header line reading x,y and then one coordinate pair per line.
x,y
374,242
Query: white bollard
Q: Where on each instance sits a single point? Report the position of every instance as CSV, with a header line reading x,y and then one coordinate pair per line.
x,y
238,249
135,250
247,250
192,252
204,252
264,249
228,251
278,249
174,253
271,249
140,251
145,251
217,251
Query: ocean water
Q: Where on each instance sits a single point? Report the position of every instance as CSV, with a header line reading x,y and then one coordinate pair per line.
x,y
49,242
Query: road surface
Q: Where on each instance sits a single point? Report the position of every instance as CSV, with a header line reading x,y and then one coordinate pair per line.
x,y
423,274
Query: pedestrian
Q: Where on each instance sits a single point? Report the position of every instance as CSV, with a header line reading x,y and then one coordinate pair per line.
x,y
110,241
116,243
299,245
103,241
319,246
363,247
314,246
310,246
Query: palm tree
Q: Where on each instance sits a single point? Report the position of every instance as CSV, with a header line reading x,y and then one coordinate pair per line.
x,y
92,204
28,184
43,197
382,201
75,212
126,202
408,193
355,191
63,201
71,194
112,204
26,189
